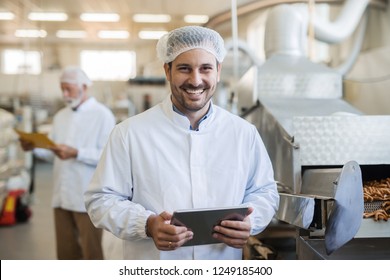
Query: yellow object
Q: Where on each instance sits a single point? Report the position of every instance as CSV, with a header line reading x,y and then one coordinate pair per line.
x,y
39,140
10,204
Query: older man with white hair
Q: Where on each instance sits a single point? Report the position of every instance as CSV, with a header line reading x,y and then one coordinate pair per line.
x,y
80,131
184,153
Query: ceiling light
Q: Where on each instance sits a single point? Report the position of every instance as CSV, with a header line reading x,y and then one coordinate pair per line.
x,y
100,17
196,18
151,35
113,34
71,34
30,33
151,18
37,16
7,16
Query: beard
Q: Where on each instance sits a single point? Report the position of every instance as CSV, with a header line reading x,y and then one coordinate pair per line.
x,y
73,103
191,102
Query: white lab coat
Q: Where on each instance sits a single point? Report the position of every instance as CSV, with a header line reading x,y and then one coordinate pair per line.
x,y
154,163
86,129
112,246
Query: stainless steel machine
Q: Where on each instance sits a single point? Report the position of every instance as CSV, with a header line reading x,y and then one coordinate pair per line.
x,y
322,151
322,148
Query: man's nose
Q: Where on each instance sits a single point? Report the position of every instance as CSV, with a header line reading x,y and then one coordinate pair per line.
x,y
195,78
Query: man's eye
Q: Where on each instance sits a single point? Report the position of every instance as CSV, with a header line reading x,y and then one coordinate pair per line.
x,y
184,69
207,68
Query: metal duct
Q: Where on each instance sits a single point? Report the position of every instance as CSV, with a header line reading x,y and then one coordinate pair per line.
x,y
344,25
346,66
287,25
288,72
285,31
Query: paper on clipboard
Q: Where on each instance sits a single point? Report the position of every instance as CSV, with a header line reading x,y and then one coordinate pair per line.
x,y
39,140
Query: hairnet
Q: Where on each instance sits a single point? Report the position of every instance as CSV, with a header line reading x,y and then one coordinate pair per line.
x,y
187,38
74,75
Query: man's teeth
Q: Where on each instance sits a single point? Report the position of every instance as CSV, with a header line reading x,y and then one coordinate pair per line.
x,y
195,91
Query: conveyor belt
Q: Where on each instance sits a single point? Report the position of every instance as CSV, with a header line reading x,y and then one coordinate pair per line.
x,y
356,249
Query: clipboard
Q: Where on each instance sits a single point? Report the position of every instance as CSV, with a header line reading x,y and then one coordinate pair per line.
x,y
39,140
202,221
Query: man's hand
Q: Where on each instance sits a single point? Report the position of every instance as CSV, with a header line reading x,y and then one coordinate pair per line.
x,y
167,237
64,151
26,145
234,233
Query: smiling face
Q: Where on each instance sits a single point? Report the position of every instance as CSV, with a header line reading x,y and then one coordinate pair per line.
x,y
193,78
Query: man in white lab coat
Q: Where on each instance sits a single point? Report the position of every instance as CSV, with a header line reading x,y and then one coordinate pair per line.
x,y
183,153
80,131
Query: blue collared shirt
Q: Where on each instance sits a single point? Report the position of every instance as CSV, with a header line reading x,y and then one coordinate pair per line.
x,y
209,112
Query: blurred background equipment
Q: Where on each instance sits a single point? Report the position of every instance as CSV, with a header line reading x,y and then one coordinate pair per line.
x,y
313,76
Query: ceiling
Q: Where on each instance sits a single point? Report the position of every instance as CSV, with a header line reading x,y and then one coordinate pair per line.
x,y
217,10
125,8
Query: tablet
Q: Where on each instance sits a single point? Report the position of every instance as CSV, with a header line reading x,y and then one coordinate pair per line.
x,y
202,221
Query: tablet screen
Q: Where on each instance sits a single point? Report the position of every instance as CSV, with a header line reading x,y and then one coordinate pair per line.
x,y
202,221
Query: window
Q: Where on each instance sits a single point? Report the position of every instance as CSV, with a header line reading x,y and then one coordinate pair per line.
x,y
21,62
108,65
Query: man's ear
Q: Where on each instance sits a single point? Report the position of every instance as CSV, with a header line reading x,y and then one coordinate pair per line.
x,y
167,70
219,67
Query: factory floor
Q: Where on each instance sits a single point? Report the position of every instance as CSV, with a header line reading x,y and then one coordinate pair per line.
x,y
35,239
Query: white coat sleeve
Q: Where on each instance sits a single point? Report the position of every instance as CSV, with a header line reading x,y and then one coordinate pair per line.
x,y
44,154
261,192
108,198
